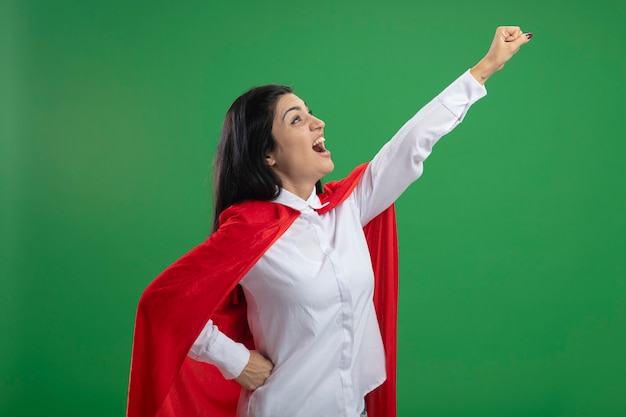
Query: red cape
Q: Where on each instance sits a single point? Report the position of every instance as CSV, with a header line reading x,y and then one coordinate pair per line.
x,y
202,285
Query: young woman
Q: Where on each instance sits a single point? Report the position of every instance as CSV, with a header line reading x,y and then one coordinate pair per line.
x,y
289,307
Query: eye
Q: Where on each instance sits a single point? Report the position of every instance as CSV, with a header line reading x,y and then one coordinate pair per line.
x,y
296,119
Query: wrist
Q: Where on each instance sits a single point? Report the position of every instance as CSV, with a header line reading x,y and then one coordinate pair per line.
x,y
484,69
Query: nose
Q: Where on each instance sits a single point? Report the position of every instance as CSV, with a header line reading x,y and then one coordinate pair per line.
x,y
317,123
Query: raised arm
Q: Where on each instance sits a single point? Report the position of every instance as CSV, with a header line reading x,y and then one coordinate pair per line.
x,y
400,161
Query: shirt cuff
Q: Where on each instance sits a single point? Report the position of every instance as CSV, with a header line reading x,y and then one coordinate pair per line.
x,y
214,347
461,94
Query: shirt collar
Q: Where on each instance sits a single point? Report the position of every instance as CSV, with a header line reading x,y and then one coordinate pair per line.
x,y
289,199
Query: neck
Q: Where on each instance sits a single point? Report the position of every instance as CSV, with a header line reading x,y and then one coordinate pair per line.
x,y
301,190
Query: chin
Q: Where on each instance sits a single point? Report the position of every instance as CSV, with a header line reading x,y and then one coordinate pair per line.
x,y
330,168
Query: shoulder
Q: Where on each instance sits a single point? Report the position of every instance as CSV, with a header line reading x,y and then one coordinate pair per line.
x,y
255,212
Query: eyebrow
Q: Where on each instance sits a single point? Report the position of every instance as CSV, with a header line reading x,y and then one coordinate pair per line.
x,y
290,109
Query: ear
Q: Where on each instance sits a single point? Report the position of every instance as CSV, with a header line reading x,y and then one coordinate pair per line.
x,y
269,159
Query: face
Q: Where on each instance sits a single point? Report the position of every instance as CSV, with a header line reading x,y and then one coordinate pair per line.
x,y
300,158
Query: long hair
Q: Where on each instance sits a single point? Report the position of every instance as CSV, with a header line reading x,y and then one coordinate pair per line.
x,y
241,171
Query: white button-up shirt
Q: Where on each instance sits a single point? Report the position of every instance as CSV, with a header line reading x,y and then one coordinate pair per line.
x,y
309,297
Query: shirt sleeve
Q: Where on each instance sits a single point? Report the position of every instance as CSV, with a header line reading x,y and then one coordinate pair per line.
x,y
214,347
400,161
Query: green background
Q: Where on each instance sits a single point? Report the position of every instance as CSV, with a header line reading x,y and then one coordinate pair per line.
x,y
513,248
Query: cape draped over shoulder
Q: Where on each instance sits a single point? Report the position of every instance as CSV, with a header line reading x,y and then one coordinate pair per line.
x,y
202,285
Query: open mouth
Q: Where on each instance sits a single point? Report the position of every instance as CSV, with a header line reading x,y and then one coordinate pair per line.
x,y
318,145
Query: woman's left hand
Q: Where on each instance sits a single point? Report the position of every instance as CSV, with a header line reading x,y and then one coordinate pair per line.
x,y
505,44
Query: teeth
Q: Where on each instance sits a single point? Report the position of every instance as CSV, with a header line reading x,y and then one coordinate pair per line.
x,y
319,141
